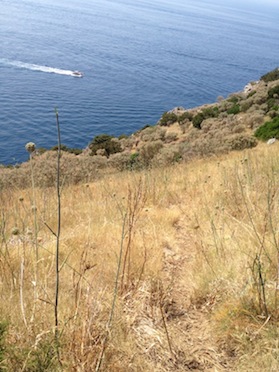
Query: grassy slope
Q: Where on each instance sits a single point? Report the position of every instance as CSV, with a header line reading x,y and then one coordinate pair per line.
x,y
199,267
197,291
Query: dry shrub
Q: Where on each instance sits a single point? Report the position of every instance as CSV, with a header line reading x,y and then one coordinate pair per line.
x,y
149,150
120,161
241,142
153,134
167,156
246,104
255,119
238,128
170,137
74,169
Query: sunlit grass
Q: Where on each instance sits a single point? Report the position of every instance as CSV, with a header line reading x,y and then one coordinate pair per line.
x,y
197,237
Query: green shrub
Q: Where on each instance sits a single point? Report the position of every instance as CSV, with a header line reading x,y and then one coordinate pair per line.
x,y
134,161
273,91
206,113
233,99
270,103
245,105
197,120
273,113
65,148
123,136
251,94
271,76
185,116
168,118
210,112
106,142
268,130
235,109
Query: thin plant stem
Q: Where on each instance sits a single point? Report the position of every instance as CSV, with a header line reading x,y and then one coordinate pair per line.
x,y
21,291
57,271
34,207
164,321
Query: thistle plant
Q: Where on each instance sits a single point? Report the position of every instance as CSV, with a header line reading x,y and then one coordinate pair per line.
x,y
30,147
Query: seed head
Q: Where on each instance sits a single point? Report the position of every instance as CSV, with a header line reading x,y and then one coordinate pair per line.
x,y
30,147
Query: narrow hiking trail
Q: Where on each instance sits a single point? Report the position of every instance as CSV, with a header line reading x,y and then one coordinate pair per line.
x,y
190,319
172,329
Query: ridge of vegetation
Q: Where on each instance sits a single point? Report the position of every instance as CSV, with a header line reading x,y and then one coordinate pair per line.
x,y
235,123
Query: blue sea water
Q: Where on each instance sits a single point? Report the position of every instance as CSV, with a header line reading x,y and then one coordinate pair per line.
x,y
139,59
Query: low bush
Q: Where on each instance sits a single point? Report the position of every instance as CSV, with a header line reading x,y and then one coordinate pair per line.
x,y
235,109
251,94
211,112
233,99
167,156
273,92
268,130
206,113
148,151
170,137
185,117
245,105
110,144
271,76
65,148
168,118
241,142
123,136
154,133
197,120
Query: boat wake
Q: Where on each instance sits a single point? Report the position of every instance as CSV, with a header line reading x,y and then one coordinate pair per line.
x,y
41,68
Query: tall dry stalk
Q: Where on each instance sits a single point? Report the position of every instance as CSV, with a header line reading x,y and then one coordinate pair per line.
x,y
135,203
31,147
58,232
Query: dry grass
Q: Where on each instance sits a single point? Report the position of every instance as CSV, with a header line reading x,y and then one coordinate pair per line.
x,y
198,276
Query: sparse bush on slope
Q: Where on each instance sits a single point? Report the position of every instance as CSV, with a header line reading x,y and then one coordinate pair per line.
x,y
109,144
168,118
271,76
269,130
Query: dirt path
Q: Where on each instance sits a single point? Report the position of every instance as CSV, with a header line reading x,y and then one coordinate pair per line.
x,y
189,323
171,331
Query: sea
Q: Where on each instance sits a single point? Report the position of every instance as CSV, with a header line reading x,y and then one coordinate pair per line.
x,y
139,58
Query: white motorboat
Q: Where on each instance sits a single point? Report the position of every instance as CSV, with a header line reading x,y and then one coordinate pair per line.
x,y
77,74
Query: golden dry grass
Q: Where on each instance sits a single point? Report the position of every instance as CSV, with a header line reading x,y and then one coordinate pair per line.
x,y
198,275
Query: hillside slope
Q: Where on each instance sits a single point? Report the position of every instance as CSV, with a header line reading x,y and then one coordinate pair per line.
x,y
179,136
163,266
197,247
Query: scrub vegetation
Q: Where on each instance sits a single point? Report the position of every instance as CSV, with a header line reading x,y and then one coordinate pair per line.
x,y
168,249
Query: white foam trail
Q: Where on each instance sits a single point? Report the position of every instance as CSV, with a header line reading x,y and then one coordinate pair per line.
x,y
33,67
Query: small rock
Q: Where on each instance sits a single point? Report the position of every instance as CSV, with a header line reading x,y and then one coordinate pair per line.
x,y
271,141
